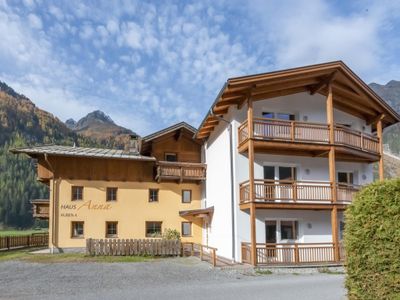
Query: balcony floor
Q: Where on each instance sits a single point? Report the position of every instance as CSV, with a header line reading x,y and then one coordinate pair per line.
x,y
297,206
343,153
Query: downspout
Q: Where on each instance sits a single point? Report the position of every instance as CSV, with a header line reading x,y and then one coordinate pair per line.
x,y
230,129
53,226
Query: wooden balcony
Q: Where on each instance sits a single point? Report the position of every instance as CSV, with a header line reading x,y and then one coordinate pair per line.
x,y
40,208
280,136
180,171
296,194
292,254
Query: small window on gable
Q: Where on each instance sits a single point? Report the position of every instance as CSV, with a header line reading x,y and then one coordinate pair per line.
x,y
186,196
171,157
76,193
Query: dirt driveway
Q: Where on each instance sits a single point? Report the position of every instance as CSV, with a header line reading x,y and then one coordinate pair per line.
x,y
175,278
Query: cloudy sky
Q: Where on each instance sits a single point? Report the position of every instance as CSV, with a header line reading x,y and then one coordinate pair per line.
x,y
151,64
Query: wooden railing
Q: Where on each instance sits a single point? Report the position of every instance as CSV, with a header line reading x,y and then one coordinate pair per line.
x,y
204,252
126,247
24,241
286,254
180,171
307,132
296,191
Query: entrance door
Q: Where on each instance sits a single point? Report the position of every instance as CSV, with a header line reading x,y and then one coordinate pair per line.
x,y
270,238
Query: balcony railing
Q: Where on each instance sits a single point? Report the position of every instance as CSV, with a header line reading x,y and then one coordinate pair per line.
x,y
306,132
180,171
270,191
40,208
295,253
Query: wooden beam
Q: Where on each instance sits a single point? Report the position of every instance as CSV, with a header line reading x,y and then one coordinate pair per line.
x,y
260,89
324,82
229,102
251,182
178,134
220,110
376,119
379,134
279,93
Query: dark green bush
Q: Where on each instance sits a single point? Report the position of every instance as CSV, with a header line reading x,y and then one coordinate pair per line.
x,y
372,242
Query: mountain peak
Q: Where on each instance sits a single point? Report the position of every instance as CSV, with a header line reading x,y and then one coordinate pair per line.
x,y
10,91
99,116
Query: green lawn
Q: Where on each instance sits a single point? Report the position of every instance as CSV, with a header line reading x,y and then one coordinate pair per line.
x,y
25,255
5,232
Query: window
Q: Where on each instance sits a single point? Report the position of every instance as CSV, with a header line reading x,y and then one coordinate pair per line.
x,y
345,177
111,229
76,229
171,157
186,228
111,194
186,196
279,116
341,229
153,229
76,193
153,195
288,230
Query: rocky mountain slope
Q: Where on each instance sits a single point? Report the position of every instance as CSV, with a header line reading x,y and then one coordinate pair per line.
x,y
99,126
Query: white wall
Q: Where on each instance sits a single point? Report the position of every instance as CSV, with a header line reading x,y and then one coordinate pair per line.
x,y
304,106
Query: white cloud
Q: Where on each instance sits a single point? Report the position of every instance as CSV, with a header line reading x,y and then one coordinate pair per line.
x,y
86,31
34,21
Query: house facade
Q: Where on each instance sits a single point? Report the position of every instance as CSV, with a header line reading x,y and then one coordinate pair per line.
x,y
139,192
286,152
265,178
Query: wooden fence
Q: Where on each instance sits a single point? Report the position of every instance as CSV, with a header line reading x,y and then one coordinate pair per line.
x,y
124,247
204,252
24,241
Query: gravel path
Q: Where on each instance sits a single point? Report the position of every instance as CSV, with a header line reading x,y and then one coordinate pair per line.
x,y
175,278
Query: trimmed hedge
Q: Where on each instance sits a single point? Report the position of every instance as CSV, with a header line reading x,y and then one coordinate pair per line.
x,y
372,242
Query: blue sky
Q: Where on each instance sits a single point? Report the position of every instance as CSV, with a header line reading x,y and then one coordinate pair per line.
x,y
151,64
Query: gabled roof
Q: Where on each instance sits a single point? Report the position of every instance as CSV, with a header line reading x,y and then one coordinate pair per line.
x,y
181,125
350,93
71,151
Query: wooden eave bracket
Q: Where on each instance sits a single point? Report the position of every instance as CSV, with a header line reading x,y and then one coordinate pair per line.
x,y
326,81
375,120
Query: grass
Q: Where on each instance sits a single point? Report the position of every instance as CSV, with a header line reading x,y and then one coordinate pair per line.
x,y
329,271
5,232
263,272
25,255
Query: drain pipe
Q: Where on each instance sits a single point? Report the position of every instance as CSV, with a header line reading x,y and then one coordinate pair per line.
x,y
53,223
230,129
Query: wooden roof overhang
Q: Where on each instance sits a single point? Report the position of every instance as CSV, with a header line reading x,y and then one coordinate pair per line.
x,y
204,213
350,93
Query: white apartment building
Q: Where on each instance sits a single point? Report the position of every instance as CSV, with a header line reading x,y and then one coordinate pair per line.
x,y
285,153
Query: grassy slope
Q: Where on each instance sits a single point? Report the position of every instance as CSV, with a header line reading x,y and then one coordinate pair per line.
x,y
6,232
25,255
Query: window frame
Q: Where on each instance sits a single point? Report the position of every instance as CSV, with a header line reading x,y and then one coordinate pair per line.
x,y
190,197
295,230
171,154
157,193
116,194
151,235
78,236
112,235
73,193
190,229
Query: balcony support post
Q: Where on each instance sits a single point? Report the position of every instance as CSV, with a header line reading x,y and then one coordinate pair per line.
x,y
379,134
251,182
332,171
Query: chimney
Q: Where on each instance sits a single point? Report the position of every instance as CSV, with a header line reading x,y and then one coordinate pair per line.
x,y
134,144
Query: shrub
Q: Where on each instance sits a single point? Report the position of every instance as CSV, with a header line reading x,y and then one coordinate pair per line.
x,y
171,234
372,242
